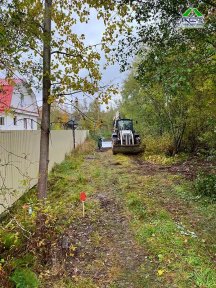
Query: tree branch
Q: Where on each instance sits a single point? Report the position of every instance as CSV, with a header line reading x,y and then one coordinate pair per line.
x,y
66,54
67,94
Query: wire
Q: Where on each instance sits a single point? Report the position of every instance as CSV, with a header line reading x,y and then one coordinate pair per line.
x,y
82,113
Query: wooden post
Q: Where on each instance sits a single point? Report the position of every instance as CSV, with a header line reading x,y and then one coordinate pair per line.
x,y
74,143
83,203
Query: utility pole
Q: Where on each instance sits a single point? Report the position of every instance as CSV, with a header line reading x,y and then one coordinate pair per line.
x,y
73,129
45,123
74,124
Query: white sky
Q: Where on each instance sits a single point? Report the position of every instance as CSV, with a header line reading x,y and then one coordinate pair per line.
x,y
93,32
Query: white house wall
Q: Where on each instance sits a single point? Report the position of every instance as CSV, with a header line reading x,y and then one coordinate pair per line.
x,y
23,105
24,99
9,122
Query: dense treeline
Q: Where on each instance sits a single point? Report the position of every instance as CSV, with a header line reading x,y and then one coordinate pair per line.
x,y
171,88
174,93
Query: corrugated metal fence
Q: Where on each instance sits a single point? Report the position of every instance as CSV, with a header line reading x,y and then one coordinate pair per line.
x,y
19,159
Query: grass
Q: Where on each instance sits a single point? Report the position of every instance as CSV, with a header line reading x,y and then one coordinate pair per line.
x,y
182,258
75,283
168,221
65,183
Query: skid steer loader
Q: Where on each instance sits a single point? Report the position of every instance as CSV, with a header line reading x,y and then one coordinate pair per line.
x,y
124,138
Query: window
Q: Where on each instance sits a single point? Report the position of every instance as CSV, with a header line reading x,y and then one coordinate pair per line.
x,y
2,121
22,100
15,120
32,124
125,124
25,123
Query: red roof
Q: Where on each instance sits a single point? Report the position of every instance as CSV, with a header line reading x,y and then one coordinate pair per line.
x,y
6,92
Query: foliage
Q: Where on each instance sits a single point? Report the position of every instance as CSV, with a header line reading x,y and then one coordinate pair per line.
x,y
48,50
98,122
9,239
59,117
157,26
205,185
157,144
171,86
179,101
25,278
208,138
74,64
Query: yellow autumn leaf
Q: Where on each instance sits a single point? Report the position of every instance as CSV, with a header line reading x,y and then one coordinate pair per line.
x,y
160,272
73,248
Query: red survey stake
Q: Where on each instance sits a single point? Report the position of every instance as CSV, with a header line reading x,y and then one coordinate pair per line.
x,y
83,196
83,199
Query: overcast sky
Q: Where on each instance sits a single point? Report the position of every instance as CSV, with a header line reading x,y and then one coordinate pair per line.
x,y
93,32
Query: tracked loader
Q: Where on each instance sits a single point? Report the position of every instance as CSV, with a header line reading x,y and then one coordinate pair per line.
x,y
124,139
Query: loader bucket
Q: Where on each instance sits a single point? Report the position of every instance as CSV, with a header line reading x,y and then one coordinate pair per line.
x,y
127,149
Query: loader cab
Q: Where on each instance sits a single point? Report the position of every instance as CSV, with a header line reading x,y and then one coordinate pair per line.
x,y
124,124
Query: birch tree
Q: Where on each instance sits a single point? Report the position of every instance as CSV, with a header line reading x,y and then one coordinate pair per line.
x,y
39,42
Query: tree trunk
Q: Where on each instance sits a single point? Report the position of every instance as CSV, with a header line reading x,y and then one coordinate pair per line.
x,y
74,140
179,138
45,122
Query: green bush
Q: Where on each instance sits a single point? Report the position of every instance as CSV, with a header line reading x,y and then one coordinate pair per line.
x,y
9,240
25,278
205,185
157,145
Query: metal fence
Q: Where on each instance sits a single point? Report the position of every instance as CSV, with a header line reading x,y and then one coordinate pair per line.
x,y
19,159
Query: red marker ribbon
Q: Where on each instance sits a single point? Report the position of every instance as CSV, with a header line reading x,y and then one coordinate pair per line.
x,y
83,196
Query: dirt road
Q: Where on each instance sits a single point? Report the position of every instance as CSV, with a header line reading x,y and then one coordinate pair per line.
x,y
143,228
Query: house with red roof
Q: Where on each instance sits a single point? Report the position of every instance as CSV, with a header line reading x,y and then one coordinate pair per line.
x,y
18,105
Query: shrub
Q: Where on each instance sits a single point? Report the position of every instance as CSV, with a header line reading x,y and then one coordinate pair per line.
x,y
205,185
9,240
25,278
157,145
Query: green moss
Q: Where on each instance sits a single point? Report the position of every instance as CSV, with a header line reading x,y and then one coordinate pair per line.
x,y
24,278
